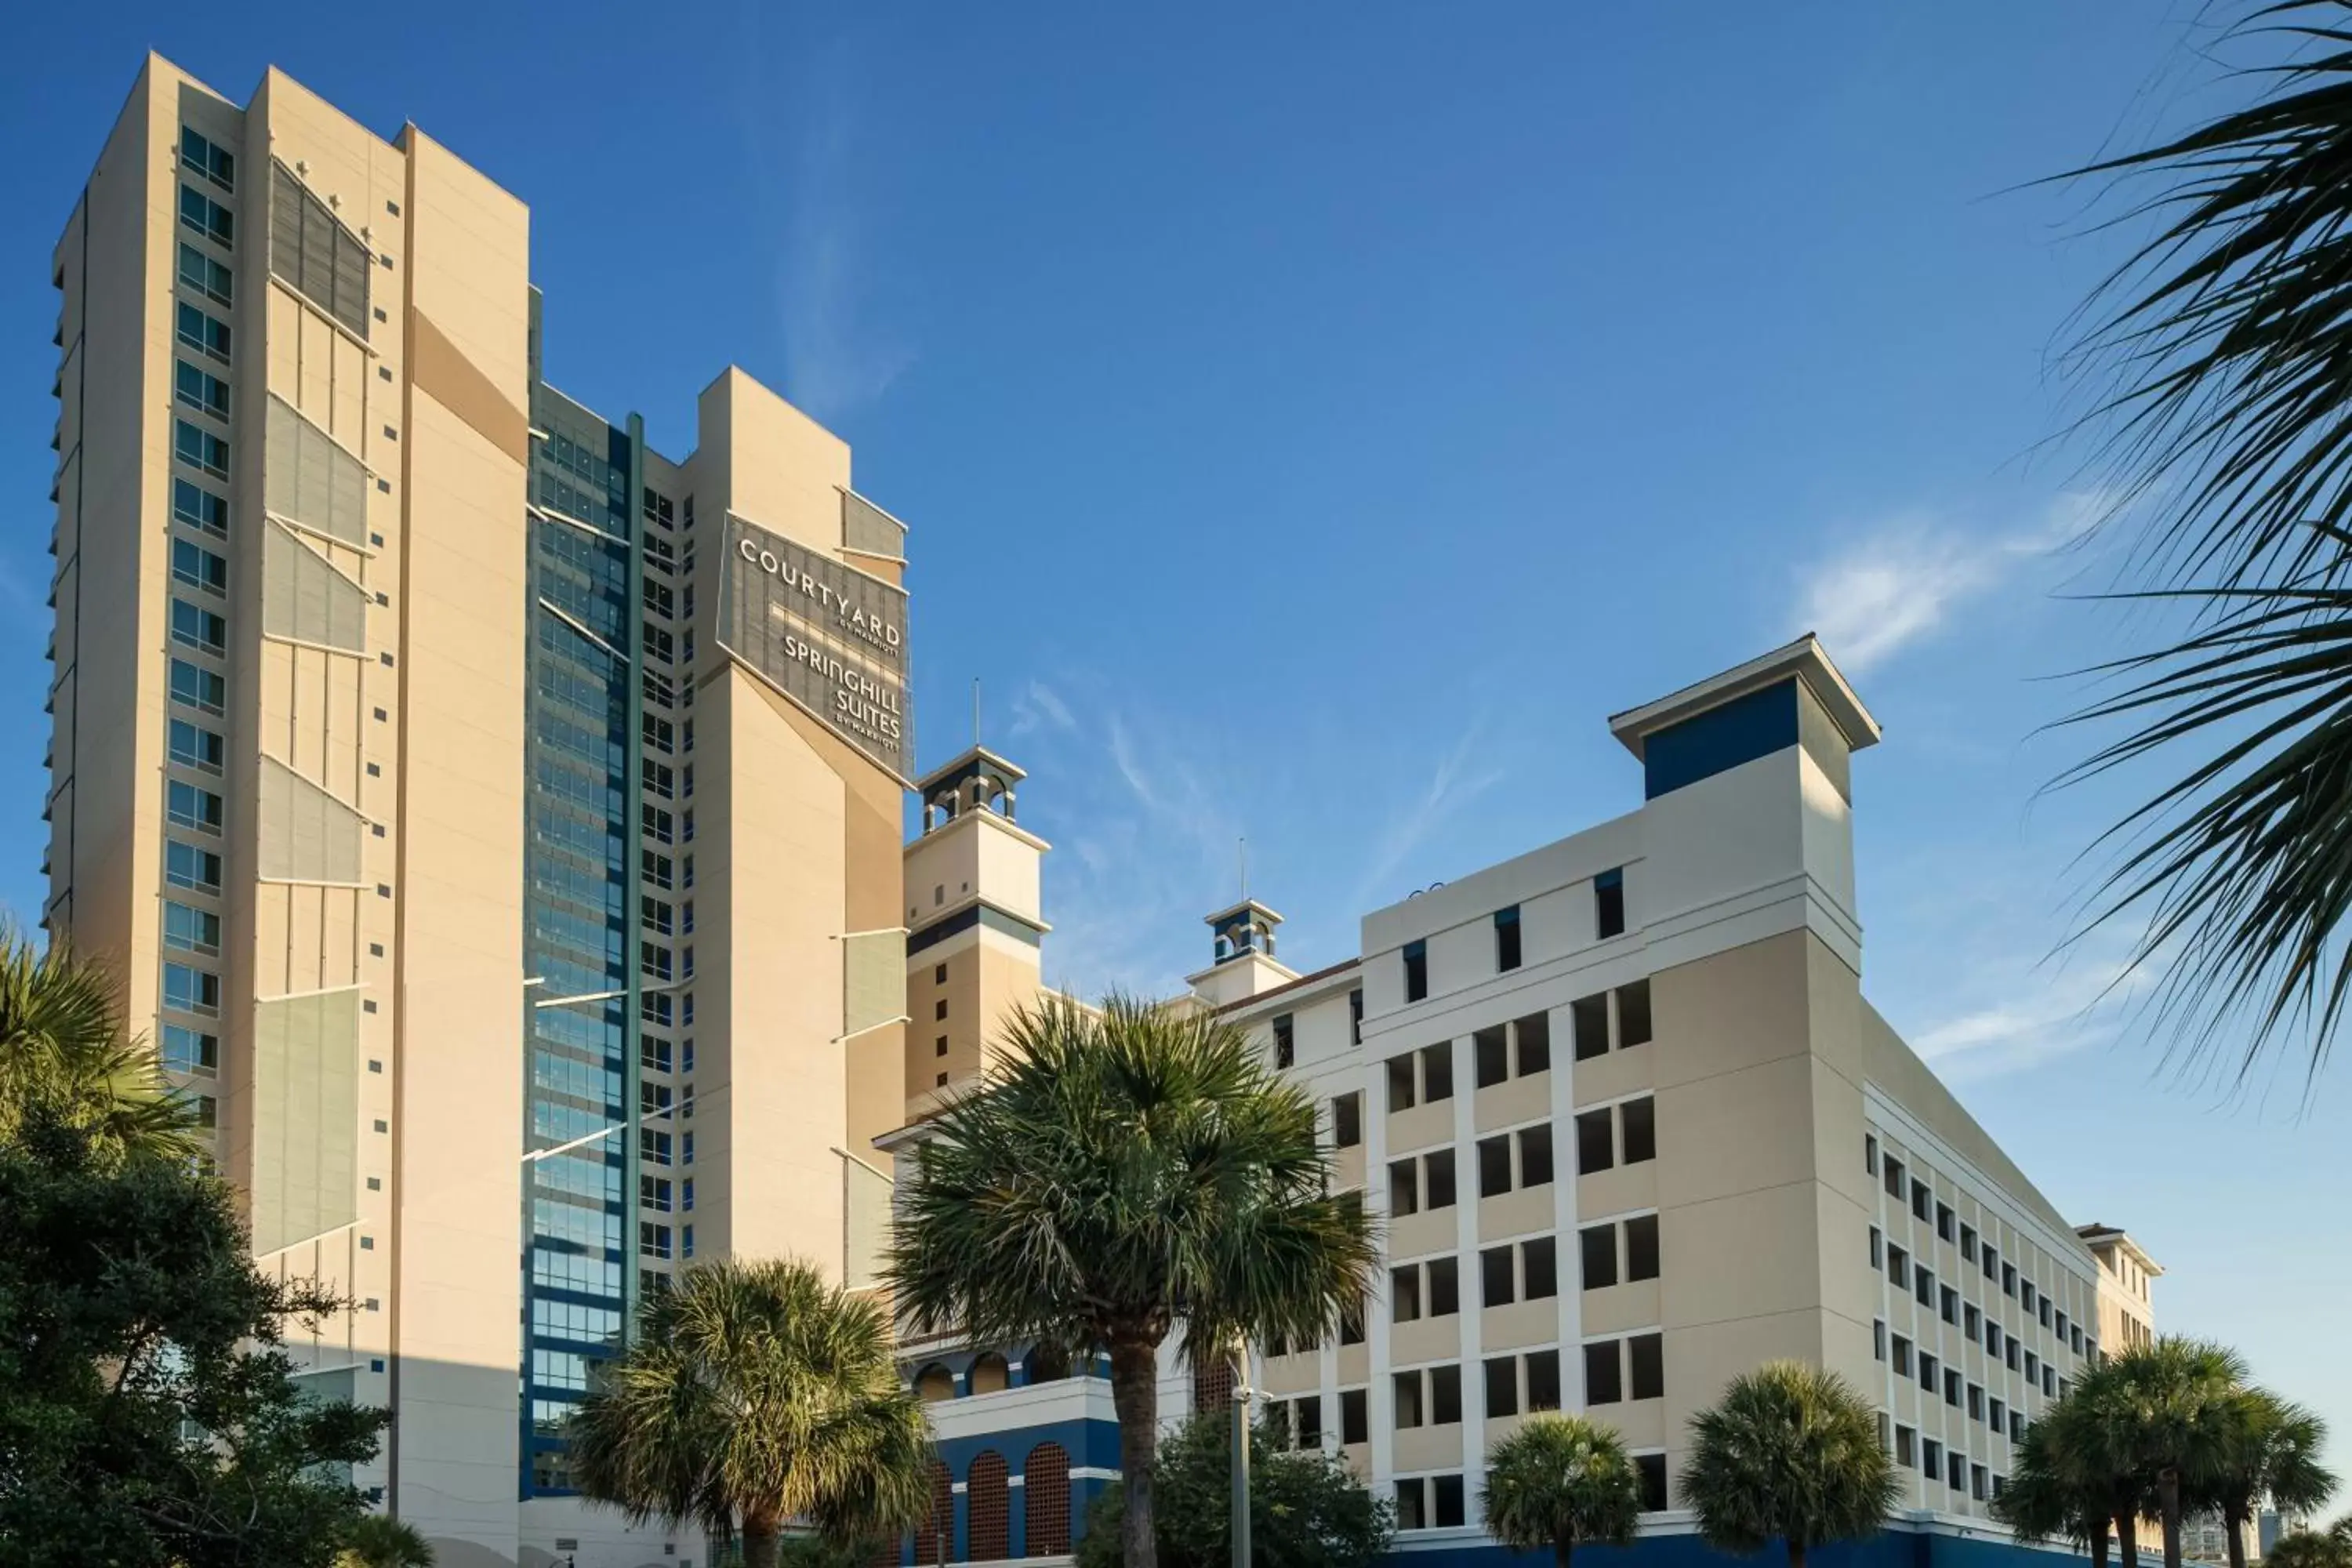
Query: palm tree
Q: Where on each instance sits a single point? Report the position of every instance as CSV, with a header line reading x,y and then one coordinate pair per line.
x,y
2227,405
2329,1548
2059,1488
380,1541
1790,1451
1119,1177
64,1059
2162,1412
1561,1481
754,1394
2270,1452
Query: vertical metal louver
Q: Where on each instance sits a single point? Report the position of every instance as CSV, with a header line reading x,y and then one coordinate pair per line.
x,y
305,1116
312,251
870,530
306,834
304,598
310,480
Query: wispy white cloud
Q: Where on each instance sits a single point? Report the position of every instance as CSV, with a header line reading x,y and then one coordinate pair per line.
x,y
1906,579
1453,785
1039,707
2046,1010
801,150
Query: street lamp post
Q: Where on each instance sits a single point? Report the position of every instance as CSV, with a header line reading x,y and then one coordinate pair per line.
x,y
1241,1501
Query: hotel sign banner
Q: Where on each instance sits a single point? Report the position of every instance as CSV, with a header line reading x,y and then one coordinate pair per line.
x,y
829,636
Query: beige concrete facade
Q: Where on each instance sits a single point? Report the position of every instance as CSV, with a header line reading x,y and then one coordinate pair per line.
x,y
315,597
1681,1142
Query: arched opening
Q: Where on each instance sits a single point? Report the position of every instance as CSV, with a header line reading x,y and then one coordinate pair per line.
x,y
941,1523
1045,1363
1046,1499
990,1374
988,1501
935,1383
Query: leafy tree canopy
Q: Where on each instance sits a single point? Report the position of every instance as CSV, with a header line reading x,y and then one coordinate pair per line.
x,y
1307,1510
131,1318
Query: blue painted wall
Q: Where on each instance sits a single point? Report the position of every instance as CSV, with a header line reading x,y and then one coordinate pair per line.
x,y
1720,738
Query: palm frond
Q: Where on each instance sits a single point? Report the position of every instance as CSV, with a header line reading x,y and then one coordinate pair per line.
x,y
1789,1452
2226,344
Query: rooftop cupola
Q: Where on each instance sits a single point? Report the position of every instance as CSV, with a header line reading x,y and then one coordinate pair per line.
x,y
979,780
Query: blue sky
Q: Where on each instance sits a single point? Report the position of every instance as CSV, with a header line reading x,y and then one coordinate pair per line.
x,y
1312,424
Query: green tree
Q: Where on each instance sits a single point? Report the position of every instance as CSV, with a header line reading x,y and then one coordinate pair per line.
x,y
147,1417
378,1541
1307,1510
1790,1452
2222,397
2269,1454
65,1060
754,1394
2329,1548
2058,1492
1561,1481
2160,1413
1121,1176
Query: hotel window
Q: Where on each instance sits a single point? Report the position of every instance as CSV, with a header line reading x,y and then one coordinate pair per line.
x,y
1596,1147
1401,1078
1878,1340
1640,1129
1898,1267
206,276
1347,1121
654,1053
1645,1358
1588,1018
1952,1388
200,389
653,1193
1976,1483
1652,1469
2017,1426
661,779
1922,1199
188,806
1993,1337
207,1112
190,929
1604,1376
2042,1311
1997,1415
653,1240
655,915
1437,1179
199,507
1356,1017
1877,1255
1490,1056
205,332
1543,1380
1931,1458
655,869
1971,1323
1531,1037
1901,1360
1355,1416
1642,1247
1437,1071
2025,1295
1928,1369
1947,1223
1609,904
1967,1243
186,866
1498,1280
1494,1166
1870,1152
2012,1352
1506,938
1596,1247
200,448
191,1051
2008,1280
1976,1402
653,1147
1633,1014
207,216
1535,1155
199,567
1286,1048
1404,1294
1905,1445
1923,1285
191,990
1539,1269
1416,970
1956,1469
1502,1386
656,823
659,733
206,158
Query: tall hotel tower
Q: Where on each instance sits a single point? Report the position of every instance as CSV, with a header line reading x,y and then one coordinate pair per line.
x,y
497,824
